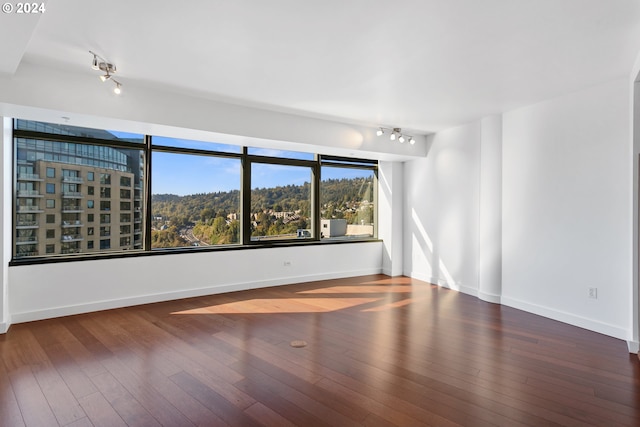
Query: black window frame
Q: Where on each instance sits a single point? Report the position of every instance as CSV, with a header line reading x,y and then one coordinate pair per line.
x,y
147,148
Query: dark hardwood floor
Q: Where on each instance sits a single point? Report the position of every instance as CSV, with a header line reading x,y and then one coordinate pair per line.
x,y
380,352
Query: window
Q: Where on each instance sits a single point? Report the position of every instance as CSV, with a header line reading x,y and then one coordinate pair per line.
x,y
347,202
202,193
280,202
50,249
190,209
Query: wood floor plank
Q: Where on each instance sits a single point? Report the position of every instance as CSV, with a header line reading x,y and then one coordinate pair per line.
x,y
381,351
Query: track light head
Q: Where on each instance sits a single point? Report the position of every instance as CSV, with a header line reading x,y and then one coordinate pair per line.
x,y
117,90
411,140
392,136
401,139
380,132
105,77
94,63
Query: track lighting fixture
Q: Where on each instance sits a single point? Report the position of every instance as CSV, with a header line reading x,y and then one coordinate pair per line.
x,y
396,133
100,64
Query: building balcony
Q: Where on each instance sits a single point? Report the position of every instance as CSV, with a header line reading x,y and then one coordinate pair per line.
x,y
137,220
29,193
72,209
71,224
26,224
65,238
71,251
29,209
72,179
72,195
29,177
26,240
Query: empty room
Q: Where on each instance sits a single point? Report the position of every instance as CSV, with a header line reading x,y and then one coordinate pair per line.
x,y
367,213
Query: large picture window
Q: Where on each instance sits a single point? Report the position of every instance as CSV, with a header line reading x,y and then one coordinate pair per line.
x,y
189,195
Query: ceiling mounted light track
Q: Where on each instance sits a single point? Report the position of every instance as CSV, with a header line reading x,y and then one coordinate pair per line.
x,y
109,69
395,133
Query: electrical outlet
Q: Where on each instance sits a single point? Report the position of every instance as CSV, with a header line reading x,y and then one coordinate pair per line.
x,y
287,263
593,293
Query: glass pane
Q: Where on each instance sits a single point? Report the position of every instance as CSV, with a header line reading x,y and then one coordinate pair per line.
x,y
297,155
280,202
198,145
58,129
64,181
347,204
195,200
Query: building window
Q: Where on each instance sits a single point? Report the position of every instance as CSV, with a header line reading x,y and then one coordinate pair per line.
x,y
239,195
50,249
125,181
347,201
197,209
51,234
280,202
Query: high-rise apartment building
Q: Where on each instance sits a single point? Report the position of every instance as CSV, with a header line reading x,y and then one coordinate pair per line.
x,y
74,197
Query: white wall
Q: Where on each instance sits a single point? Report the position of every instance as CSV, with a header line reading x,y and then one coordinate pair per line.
x,y
5,222
441,210
50,290
390,216
567,208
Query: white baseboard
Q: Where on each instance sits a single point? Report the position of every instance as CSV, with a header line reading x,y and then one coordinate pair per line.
x,y
492,298
633,346
571,319
168,296
4,327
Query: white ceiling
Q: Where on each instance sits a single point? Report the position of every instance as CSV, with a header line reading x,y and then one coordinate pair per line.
x,y
423,65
